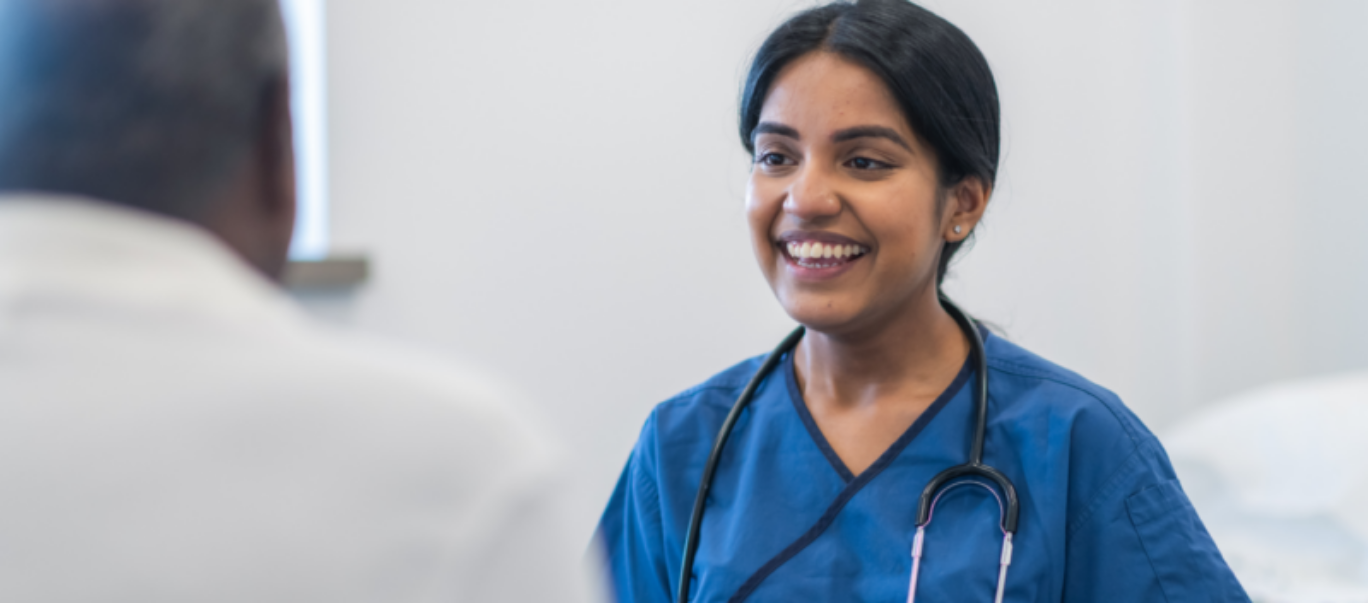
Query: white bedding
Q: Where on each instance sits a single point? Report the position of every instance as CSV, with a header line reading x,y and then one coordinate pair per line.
x,y
1280,476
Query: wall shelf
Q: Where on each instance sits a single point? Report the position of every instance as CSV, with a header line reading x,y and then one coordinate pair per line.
x,y
332,272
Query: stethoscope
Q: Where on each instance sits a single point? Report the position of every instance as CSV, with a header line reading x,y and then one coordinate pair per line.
x,y
937,487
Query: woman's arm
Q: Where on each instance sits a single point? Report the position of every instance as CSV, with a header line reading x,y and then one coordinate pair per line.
x,y
631,532
1143,541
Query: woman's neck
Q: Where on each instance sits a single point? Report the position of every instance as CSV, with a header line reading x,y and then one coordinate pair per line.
x,y
908,358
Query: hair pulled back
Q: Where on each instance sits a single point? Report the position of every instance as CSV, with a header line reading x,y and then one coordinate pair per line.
x,y
939,78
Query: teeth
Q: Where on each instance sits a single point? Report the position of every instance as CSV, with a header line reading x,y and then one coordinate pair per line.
x,y
809,250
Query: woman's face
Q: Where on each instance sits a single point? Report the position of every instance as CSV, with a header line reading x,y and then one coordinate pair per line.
x,y
842,200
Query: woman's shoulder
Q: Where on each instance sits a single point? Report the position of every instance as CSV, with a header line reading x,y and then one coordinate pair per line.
x,y
695,413
719,390
1113,461
1031,384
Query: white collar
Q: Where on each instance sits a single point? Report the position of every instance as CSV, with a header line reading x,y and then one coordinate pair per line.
x,y
70,247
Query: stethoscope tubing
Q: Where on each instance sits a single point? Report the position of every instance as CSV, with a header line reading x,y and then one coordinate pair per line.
x,y
704,486
973,468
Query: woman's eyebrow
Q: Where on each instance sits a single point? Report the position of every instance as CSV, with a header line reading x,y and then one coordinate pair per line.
x,y
769,127
870,132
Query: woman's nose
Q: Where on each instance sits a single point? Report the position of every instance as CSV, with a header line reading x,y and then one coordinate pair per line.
x,y
812,195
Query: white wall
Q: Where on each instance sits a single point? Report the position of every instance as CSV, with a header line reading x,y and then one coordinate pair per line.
x,y
553,189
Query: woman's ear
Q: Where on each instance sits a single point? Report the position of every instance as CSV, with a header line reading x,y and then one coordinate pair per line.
x,y
965,203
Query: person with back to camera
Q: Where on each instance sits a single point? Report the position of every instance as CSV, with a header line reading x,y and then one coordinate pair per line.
x,y
892,449
171,428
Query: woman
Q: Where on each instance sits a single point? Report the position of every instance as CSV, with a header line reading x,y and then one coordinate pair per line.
x,y
874,129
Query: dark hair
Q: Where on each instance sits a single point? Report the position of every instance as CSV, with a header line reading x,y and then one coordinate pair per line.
x,y
938,76
148,103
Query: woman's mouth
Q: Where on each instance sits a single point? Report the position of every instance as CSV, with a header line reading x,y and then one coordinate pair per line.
x,y
817,255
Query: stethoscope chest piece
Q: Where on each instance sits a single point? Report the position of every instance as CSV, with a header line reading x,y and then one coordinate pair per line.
x,y
919,541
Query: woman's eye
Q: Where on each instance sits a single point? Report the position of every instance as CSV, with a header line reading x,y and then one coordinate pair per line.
x,y
773,159
865,163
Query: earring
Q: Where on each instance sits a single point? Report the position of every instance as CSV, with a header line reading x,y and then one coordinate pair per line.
x,y
958,229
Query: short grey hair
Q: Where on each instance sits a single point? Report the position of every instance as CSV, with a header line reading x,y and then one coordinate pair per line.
x,y
149,103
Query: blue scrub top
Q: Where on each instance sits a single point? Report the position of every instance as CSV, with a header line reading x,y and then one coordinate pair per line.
x,y
1103,517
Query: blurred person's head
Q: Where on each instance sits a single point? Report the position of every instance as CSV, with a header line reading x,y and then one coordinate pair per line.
x,y
179,107
874,129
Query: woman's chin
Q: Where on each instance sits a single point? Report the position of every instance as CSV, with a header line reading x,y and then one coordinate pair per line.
x,y
822,315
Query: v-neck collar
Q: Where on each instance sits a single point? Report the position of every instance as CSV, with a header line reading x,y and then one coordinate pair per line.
x,y
854,483
885,459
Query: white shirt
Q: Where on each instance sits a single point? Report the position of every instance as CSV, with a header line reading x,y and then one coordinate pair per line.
x,y
173,429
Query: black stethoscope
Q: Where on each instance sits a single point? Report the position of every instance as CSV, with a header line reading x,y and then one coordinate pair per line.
x,y
938,485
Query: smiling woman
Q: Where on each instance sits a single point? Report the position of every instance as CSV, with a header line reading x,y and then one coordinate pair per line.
x,y
838,165
874,131
966,135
